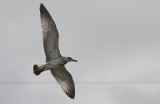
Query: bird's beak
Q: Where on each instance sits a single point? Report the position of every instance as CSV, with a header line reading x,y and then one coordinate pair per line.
x,y
75,60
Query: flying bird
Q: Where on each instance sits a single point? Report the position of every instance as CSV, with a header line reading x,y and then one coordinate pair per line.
x,y
55,62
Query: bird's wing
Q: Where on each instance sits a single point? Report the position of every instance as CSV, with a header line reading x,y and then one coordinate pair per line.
x,y
50,35
64,79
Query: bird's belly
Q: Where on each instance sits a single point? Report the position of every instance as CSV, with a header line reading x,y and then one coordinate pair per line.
x,y
53,64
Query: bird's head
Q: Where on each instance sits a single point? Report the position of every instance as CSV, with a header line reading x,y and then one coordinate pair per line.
x,y
69,59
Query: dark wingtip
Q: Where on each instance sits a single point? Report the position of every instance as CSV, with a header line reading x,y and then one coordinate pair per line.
x,y
72,97
41,5
44,11
72,94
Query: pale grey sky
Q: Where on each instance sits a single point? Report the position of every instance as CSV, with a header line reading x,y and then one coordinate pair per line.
x,y
113,40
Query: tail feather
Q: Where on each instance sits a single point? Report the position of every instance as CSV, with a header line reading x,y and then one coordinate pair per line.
x,y
36,70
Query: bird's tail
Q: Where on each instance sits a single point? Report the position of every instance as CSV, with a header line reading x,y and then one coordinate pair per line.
x,y
36,70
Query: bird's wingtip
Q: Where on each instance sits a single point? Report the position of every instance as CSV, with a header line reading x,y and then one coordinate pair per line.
x,y
72,97
41,4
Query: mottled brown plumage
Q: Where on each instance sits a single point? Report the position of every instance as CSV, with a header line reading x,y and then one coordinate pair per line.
x,y
54,61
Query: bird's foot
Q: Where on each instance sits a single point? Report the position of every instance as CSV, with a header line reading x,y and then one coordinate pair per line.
x,y
36,70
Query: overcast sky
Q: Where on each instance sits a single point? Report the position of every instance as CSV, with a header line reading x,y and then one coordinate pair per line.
x,y
116,41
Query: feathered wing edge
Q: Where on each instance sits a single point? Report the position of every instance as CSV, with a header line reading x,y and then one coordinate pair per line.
x,y
65,80
50,34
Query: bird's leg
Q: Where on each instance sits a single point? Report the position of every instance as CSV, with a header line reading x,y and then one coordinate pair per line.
x,y
37,69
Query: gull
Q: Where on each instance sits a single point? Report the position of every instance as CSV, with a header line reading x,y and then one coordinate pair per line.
x,y
54,60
